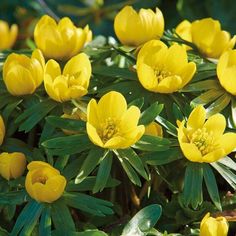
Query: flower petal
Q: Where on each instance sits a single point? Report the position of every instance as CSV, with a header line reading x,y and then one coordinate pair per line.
x,y
197,118
228,142
191,152
93,135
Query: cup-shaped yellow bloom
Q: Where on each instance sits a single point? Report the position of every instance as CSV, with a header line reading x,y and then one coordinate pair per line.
x,y
72,83
164,70
134,29
43,182
2,130
110,124
210,39
154,129
214,226
183,29
226,71
60,41
12,165
21,74
204,140
7,35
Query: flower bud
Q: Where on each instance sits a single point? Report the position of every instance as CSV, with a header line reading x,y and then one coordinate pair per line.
x,y
2,130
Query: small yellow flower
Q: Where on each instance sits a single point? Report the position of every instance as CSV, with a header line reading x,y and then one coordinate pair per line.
x,y
210,39
72,83
110,124
204,140
21,74
60,41
183,29
7,35
2,130
134,29
214,226
164,70
12,165
43,182
154,129
226,71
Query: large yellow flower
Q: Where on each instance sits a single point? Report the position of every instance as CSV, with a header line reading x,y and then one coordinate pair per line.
x,y
183,29
43,182
214,226
72,83
110,124
60,41
134,29
204,140
21,74
2,130
210,39
12,165
226,71
7,35
164,70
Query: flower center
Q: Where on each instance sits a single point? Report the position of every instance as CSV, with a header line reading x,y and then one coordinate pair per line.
x,y
204,140
41,179
108,129
161,74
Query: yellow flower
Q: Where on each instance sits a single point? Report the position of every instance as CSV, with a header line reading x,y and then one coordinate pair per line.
x,y
164,70
72,83
204,140
12,165
21,74
226,71
110,124
183,29
210,39
213,226
2,130
154,129
43,182
60,41
134,29
7,35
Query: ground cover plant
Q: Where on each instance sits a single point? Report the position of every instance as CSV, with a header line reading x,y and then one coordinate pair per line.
x,y
129,134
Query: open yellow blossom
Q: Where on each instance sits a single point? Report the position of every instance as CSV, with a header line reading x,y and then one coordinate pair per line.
x,y
183,29
214,226
43,182
60,41
2,130
210,39
134,29
164,70
226,71
12,165
72,83
21,74
204,140
7,35
110,124
154,129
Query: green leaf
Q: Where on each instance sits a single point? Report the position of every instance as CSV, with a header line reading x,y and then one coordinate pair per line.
x,y
65,123
137,102
161,158
27,218
61,216
104,170
91,233
201,86
200,75
177,112
143,221
130,155
170,128
206,67
13,197
3,232
192,192
68,144
233,111
114,71
228,162
152,143
95,156
31,116
9,109
45,222
88,204
150,113
211,184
